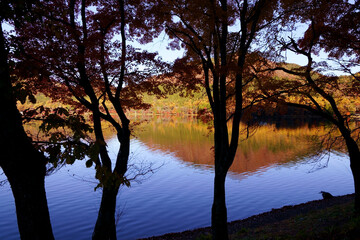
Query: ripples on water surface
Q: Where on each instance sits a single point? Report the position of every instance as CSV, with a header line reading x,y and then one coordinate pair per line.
x,y
178,195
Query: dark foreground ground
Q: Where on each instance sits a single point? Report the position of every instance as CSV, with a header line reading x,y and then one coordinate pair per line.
x,y
320,219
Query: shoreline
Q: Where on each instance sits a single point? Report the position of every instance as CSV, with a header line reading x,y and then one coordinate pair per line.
x,y
275,215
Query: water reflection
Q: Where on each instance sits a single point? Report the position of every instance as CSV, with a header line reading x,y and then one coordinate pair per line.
x,y
268,144
273,168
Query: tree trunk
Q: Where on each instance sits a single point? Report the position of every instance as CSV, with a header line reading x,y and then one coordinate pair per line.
x,y
22,164
354,155
355,168
105,228
219,212
27,184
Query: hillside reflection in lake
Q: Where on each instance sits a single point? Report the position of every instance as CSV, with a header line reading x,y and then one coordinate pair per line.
x,y
274,167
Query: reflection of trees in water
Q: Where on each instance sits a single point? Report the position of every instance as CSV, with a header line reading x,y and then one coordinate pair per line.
x,y
278,140
286,117
269,144
289,122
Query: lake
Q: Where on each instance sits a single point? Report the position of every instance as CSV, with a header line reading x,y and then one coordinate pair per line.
x,y
275,166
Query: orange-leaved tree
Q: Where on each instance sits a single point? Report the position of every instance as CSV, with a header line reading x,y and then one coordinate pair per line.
x,y
314,86
218,38
82,47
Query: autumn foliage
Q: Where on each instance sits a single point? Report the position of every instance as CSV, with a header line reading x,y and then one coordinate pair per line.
x,y
81,55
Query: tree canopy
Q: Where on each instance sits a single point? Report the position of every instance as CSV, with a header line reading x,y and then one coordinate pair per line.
x,y
79,53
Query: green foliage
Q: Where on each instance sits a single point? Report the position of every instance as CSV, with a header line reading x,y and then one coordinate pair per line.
x,y
63,134
175,104
22,92
109,179
93,154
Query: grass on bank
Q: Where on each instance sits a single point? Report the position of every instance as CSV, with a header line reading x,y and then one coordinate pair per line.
x,y
336,222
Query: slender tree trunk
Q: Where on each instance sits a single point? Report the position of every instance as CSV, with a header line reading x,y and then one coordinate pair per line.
x,y
219,211
105,228
23,165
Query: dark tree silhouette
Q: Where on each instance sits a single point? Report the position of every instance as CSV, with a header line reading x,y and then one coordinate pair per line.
x,y
310,89
84,49
203,29
23,165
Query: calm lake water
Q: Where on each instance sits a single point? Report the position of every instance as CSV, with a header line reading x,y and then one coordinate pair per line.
x,y
274,167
